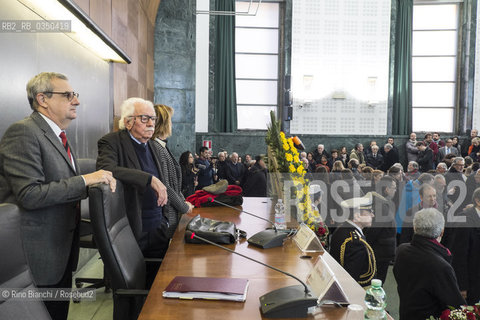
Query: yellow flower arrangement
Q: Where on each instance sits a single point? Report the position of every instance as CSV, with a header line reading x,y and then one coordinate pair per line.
x,y
291,167
288,160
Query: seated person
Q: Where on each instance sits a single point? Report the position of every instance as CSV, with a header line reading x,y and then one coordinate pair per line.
x,y
426,282
348,244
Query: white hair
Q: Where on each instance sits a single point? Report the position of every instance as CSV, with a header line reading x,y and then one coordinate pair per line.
x,y
429,223
442,165
127,109
414,164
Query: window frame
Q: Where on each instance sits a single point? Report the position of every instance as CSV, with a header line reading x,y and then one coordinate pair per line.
x,y
278,79
457,64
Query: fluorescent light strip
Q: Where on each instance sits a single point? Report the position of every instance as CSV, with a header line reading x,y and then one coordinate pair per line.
x,y
84,31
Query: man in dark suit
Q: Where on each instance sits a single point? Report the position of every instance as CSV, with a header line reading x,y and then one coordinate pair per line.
x,y
130,155
466,251
348,244
375,158
235,170
40,174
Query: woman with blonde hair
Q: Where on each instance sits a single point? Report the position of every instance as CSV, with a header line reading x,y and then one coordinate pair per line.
x,y
337,168
171,171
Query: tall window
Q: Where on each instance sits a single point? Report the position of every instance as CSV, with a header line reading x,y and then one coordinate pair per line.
x,y
256,60
434,66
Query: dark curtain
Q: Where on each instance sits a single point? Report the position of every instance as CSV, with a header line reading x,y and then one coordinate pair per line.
x,y
402,78
225,92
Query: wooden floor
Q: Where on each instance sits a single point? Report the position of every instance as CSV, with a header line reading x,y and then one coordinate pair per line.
x,y
102,308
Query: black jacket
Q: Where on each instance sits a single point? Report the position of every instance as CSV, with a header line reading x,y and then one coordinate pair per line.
x,y
389,159
374,162
188,181
355,258
255,182
425,160
466,255
426,282
235,172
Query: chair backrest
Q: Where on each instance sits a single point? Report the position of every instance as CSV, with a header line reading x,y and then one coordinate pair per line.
x,y
14,270
116,243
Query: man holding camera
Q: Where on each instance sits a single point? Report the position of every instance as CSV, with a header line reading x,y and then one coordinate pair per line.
x,y
205,173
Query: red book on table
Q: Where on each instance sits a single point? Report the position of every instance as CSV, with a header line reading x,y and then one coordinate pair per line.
x,y
233,289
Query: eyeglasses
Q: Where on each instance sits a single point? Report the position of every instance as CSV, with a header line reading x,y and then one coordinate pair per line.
x,y
67,94
144,118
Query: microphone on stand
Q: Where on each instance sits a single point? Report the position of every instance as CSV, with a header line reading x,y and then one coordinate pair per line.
x,y
265,239
287,302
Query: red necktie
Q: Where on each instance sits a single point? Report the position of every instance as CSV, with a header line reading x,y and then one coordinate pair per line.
x,y
65,144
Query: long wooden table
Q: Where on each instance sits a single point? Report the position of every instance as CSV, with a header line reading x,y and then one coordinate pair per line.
x,y
203,260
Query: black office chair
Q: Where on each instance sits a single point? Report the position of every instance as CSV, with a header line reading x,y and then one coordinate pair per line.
x,y
119,250
85,166
14,270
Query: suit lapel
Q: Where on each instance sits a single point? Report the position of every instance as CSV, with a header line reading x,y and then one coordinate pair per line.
x,y
54,140
132,158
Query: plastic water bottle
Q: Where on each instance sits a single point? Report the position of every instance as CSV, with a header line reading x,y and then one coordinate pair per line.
x,y
280,223
375,299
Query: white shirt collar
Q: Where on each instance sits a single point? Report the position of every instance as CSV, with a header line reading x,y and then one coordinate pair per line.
x,y
56,129
134,139
478,211
356,227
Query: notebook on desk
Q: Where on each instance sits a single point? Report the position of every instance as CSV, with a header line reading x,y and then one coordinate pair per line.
x,y
232,289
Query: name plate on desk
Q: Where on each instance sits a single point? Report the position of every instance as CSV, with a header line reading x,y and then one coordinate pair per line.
x,y
324,284
307,240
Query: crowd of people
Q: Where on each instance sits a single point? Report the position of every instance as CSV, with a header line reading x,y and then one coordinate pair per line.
x,y
424,220
199,171
366,199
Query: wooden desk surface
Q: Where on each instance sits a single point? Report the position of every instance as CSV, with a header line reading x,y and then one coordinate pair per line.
x,y
203,260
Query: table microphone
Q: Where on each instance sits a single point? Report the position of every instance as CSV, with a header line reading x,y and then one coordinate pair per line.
x,y
287,302
265,239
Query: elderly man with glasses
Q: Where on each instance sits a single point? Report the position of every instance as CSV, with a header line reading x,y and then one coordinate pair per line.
x,y
130,155
39,172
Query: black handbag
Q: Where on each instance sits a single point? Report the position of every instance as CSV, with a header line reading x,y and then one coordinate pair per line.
x,y
223,232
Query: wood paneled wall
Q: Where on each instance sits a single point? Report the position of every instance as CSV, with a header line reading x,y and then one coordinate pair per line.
x,y
131,24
